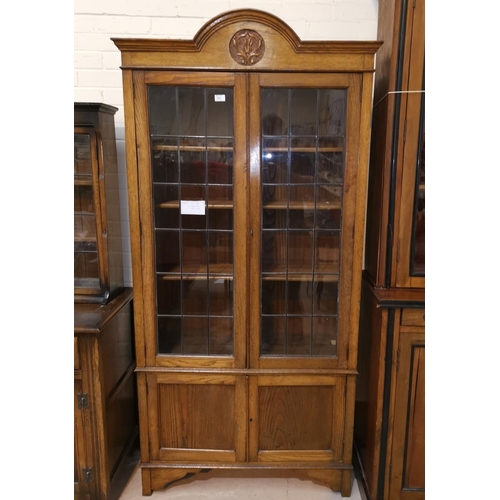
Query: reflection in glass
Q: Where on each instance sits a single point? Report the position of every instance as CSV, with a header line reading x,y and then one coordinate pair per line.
x,y
86,262
220,338
82,156
273,335
324,336
418,243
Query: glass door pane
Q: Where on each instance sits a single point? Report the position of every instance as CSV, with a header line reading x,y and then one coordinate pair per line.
x,y
192,141
303,143
418,234
86,265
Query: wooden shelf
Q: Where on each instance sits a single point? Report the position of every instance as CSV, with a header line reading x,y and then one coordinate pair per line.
x,y
191,148
301,205
300,273
86,282
303,150
195,272
85,239
215,204
325,278
79,181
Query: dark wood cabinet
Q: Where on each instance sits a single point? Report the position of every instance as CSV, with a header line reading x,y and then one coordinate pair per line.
x,y
105,400
390,399
98,264
247,156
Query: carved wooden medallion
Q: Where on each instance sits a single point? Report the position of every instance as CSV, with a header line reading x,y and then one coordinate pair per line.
x,y
247,47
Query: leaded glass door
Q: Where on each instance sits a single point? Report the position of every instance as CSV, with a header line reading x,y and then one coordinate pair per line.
x,y
306,132
195,165
87,269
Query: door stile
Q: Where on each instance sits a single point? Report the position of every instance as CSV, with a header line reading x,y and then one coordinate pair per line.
x,y
253,419
146,214
254,217
240,228
364,110
347,258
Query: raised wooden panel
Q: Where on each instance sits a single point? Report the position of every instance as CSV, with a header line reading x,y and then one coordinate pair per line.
x,y
413,317
77,354
296,417
407,481
284,423
197,417
415,450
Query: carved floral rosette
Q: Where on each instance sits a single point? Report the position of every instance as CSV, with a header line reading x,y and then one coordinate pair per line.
x,y
247,47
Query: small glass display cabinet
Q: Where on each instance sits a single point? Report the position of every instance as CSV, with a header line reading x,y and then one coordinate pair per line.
x,y
247,163
98,258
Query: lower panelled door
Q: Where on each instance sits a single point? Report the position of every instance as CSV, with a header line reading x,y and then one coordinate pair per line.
x,y
296,418
197,417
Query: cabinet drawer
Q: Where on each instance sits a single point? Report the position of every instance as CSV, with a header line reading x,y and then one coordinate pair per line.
x,y
77,355
413,317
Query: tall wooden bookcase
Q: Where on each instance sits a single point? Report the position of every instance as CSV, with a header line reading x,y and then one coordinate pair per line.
x,y
247,157
390,400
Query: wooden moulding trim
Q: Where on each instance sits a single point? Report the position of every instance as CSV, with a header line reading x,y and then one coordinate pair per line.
x,y
247,371
115,306
245,15
247,465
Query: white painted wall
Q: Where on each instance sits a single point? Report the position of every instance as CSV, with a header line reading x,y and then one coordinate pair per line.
x,y
97,76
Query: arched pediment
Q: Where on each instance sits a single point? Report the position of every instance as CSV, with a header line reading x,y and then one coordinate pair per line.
x,y
248,40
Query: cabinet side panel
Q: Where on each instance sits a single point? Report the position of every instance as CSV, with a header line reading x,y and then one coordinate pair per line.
x,y
121,415
370,386
113,217
414,477
116,348
388,14
376,216
133,200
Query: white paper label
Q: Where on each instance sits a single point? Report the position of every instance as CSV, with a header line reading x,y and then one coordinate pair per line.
x,y
192,207
220,98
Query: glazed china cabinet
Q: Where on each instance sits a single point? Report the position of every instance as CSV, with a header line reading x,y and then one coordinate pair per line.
x,y
98,263
105,399
247,156
390,400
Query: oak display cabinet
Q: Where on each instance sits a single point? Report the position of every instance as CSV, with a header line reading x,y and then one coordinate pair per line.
x,y
105,399
98,264
390,401
247,156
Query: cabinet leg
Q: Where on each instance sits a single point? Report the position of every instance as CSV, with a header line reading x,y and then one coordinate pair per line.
x,y
331,477
146,483
347,478
162,478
